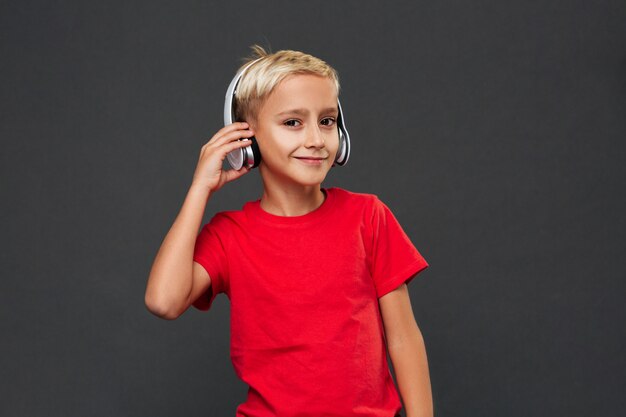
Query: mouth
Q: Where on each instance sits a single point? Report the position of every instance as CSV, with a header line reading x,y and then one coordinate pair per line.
x,y
311,160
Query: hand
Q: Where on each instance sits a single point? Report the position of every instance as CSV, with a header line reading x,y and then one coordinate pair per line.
x,y
209,172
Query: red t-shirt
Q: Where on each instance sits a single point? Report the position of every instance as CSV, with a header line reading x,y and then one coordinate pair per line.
x,y
306,331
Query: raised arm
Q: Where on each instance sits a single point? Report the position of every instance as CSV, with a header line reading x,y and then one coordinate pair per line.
x,y
175,281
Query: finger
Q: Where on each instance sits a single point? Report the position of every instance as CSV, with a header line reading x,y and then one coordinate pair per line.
x,y
231,146
233,136
232,127
221,150
229,137
227,129
233,174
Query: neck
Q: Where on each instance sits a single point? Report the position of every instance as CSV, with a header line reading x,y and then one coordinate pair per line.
x,y
289,201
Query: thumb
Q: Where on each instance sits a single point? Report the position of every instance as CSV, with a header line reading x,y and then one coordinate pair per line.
x,y
233,174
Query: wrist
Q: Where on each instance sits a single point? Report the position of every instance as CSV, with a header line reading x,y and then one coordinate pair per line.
x,y
198,184
199,189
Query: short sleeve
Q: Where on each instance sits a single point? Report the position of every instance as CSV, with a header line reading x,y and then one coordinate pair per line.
x,y
209,252
394,258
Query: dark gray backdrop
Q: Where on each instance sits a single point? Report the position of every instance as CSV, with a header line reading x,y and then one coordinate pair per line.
x,y
493,129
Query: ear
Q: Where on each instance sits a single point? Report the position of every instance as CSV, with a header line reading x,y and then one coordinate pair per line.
x,y
249,119
253,124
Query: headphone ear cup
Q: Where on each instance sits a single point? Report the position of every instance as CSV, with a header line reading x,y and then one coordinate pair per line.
x,y
341,149
256,152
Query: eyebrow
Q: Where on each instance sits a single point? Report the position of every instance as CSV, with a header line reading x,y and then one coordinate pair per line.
x,y
303,112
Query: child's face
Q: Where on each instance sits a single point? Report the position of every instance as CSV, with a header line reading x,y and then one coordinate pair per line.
x,y
297,132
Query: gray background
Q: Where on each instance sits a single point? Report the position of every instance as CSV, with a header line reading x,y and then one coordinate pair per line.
x,y
493,129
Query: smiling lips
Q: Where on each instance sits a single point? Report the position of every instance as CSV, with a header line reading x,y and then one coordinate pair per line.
x,y
312,160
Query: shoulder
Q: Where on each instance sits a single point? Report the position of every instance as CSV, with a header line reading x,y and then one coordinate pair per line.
x,y
351,197
223,218
224,221
365,203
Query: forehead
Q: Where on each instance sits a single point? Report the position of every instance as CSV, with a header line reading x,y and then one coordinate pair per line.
x,y
302,91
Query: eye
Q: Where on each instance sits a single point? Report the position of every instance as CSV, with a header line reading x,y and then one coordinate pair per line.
x,y
291,122
328,121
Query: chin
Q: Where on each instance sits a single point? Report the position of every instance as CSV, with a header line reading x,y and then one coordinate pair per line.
x,y
308,180
303,177
316,178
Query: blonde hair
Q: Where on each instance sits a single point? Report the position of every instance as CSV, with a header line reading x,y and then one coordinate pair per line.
x,y
263,76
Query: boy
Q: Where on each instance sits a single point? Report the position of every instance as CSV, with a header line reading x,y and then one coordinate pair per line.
x,y
316,277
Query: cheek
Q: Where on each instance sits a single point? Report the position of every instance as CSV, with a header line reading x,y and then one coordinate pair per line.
x,y
274,142
333,140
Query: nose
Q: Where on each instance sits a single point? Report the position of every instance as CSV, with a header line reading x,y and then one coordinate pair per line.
x,y
314,138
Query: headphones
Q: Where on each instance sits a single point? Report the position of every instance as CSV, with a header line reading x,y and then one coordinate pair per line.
x,y
250,156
